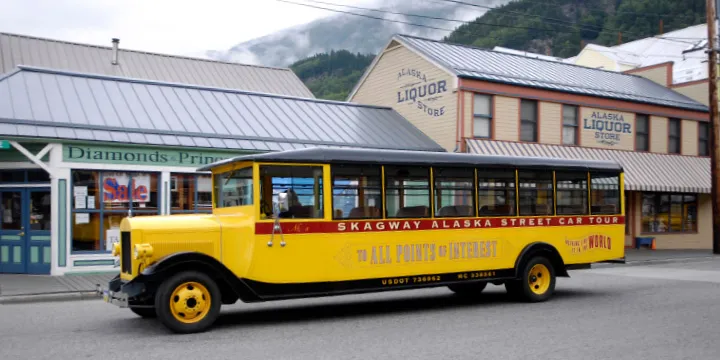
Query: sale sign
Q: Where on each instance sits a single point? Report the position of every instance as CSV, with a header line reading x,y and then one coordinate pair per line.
x,y
119,188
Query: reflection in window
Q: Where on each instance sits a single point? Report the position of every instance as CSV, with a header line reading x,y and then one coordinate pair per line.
x,y
303,184
101,199
11,210
570,125
496,193
572,193
605,194
407,192
357,192
190,193
234,188
40,210
454,192
663,212
482,127
536,192
642,133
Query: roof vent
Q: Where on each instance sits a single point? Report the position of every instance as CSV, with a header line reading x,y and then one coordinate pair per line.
x,y
115,42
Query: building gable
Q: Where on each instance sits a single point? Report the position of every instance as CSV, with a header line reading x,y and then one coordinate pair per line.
x,y
418,89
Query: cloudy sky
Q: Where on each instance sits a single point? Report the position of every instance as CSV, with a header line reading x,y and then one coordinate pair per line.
x,y
167,26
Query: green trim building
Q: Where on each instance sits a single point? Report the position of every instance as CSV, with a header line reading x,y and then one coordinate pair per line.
x,y
86,150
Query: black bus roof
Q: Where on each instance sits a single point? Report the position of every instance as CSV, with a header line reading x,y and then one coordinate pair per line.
x,y
417,158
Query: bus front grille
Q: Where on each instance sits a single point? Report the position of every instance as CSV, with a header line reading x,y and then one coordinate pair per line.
x,y
126,251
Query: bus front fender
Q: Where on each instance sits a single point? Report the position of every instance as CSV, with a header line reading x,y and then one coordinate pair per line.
x,y
231,286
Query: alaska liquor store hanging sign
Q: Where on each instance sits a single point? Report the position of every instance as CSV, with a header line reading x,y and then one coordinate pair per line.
x,y
142,156
609,129
421,92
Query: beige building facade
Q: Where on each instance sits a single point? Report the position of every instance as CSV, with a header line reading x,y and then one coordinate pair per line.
x,y
480,101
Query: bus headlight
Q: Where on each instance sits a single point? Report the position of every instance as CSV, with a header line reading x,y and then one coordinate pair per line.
x,y
143,251
116,249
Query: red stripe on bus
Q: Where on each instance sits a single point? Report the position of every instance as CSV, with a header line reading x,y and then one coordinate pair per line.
x,y
355,226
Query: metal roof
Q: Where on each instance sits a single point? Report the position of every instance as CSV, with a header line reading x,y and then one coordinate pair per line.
x,y
404,157
643,171
55,104
18,50
483,64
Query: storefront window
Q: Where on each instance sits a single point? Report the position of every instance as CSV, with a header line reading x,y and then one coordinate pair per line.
x,y
190,193
664,212
100,200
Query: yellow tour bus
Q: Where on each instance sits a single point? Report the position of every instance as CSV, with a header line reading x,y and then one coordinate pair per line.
x,y
332,221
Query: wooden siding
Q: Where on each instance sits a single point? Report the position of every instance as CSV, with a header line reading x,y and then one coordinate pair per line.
x,y
551,123
658,134
399,70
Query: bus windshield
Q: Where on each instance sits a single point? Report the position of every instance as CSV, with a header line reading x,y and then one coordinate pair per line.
x,y
234,188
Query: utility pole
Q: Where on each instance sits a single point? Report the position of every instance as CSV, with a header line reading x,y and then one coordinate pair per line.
x,y
714,125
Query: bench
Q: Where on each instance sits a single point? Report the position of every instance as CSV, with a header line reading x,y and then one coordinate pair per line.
x,y
647,241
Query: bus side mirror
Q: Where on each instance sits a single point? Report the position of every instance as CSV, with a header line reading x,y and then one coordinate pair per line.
x,y
283,202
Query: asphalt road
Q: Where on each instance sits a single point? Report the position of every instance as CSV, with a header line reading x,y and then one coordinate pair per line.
x,y
669,311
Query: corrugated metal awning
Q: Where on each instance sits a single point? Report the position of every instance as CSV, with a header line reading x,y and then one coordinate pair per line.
x,y
643,171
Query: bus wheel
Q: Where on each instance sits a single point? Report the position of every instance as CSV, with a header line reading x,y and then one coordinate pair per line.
x,y
144,312
538,280
466,289
188,302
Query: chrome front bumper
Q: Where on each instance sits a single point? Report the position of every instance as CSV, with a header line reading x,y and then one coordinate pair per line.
x,y
116,298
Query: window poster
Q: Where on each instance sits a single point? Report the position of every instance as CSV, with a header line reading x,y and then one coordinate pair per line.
x,y
112,236
119,188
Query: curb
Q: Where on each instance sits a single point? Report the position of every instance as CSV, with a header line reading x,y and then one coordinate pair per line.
x,y
50,297
656,261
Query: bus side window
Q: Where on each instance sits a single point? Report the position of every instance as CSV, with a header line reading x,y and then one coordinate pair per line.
x,y
605,193
407,192
357,192
496,192
454,195
304,187
571,193
535,189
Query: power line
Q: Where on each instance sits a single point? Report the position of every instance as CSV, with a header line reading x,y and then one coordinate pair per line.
x,y
445,29
428,17
521,14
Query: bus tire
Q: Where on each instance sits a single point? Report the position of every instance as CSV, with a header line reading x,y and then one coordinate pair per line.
x,y
144,312
468,289
188,302
537,280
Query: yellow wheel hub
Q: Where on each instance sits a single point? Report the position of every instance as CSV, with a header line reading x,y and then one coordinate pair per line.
x,y
190,302
539,279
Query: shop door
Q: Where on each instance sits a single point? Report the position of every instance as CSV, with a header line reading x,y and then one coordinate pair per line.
x,y
25,231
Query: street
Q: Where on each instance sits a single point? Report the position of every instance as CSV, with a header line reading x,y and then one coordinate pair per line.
x,y
664,311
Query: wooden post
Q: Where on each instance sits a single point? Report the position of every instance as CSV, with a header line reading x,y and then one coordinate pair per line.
x,y
619,40
714,125
661,26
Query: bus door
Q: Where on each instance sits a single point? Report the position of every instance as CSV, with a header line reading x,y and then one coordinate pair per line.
x,y
291,252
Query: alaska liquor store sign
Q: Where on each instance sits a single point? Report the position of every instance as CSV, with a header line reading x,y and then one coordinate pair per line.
x,y
142,156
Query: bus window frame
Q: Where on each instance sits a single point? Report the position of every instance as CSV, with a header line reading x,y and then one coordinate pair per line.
x,y
226,169
620,188
326,195
381,171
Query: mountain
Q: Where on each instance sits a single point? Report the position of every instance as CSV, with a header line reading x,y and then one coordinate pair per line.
x,y
561,27
350,32
332,75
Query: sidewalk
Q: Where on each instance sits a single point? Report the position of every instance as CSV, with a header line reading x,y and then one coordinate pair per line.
x,y
40,288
